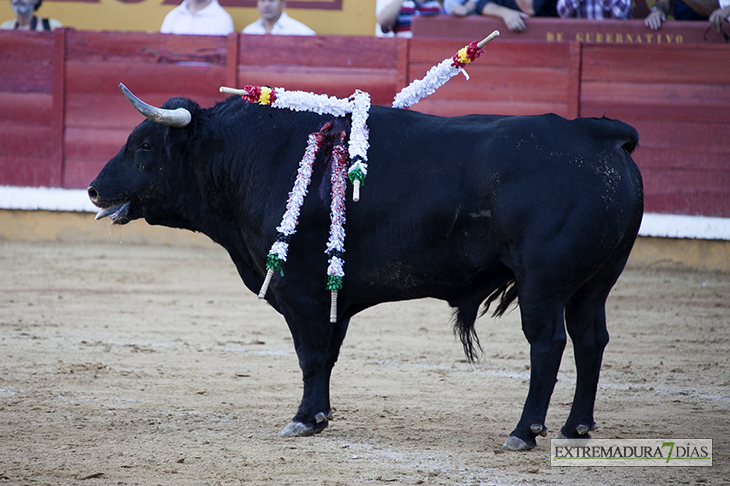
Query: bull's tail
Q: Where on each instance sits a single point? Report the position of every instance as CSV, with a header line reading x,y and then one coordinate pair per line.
x,y
465,316
506,293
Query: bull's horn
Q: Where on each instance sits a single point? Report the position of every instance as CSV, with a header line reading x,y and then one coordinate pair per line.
x,y
178,118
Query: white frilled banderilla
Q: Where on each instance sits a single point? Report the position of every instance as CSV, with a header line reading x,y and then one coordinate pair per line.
x,y
358,105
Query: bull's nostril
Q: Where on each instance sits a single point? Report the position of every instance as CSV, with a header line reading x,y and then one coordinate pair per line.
x,y
93,195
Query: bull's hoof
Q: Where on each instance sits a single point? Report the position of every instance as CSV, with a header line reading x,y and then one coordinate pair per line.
x,y
297,429
514,443
581,432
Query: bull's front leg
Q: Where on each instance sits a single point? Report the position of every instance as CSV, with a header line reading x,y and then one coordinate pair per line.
x,y
317,345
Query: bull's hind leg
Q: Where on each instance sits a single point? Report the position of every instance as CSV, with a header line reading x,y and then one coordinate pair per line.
x,y
317,345
585,319
542,323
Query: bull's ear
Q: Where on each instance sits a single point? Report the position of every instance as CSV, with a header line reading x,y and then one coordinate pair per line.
x,y
178,117
181,144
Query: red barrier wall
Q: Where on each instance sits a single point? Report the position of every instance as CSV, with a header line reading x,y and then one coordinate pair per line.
x,y
63,116
624,32
31,109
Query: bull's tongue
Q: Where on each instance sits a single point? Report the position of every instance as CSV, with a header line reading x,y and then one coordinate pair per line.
x,y
114,212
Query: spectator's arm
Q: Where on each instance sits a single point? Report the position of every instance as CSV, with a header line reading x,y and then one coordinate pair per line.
x,y
514,19
460,8
389,16
527,6
719,17
658,14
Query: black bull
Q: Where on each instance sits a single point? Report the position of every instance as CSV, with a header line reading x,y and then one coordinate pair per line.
x,y
470,210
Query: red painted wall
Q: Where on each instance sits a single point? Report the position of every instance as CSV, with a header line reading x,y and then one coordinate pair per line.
x,y
62,115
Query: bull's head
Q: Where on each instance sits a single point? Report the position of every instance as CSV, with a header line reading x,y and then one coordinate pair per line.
x,y
131,184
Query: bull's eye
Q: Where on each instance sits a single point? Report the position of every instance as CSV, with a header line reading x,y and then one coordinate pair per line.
x,y
145,146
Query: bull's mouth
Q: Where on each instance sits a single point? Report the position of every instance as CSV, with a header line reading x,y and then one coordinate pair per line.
x,y
118,213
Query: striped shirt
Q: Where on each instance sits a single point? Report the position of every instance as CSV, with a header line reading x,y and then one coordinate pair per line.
x,y
595,9
411,8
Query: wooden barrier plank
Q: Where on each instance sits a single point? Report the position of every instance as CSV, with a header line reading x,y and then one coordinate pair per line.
x,y
114,111
319,51
26,60
468,107
681,159
503,83
332,81
26,47
694,136
498,53
26,140
556,30
58,109
575,85
677,96
148,48
94,143
22,76
78,173
660,64
653,101
26,107
232,58
402,60
26,170
170,79
687,192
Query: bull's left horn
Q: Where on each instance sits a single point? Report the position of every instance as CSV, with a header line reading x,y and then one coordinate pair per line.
x,y
178,118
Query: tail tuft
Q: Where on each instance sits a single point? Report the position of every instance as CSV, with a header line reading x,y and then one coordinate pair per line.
x,y
464,319
465,315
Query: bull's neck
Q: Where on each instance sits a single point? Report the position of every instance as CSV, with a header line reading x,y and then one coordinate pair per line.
x,y
244,177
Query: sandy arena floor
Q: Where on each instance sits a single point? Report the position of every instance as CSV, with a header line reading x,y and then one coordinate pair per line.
x,y
127,364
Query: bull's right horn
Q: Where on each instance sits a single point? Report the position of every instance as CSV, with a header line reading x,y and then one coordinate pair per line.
x,y
178,118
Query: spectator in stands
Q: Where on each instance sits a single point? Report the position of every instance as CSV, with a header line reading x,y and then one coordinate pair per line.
x,y
720,16
460,8
201,17
26,20
595,9
275,21
681,10
394,16
512,12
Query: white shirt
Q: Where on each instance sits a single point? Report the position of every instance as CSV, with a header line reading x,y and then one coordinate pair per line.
x,y
284,26
212,20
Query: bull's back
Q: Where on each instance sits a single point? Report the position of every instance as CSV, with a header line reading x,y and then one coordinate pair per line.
x,y
419,160
465,191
